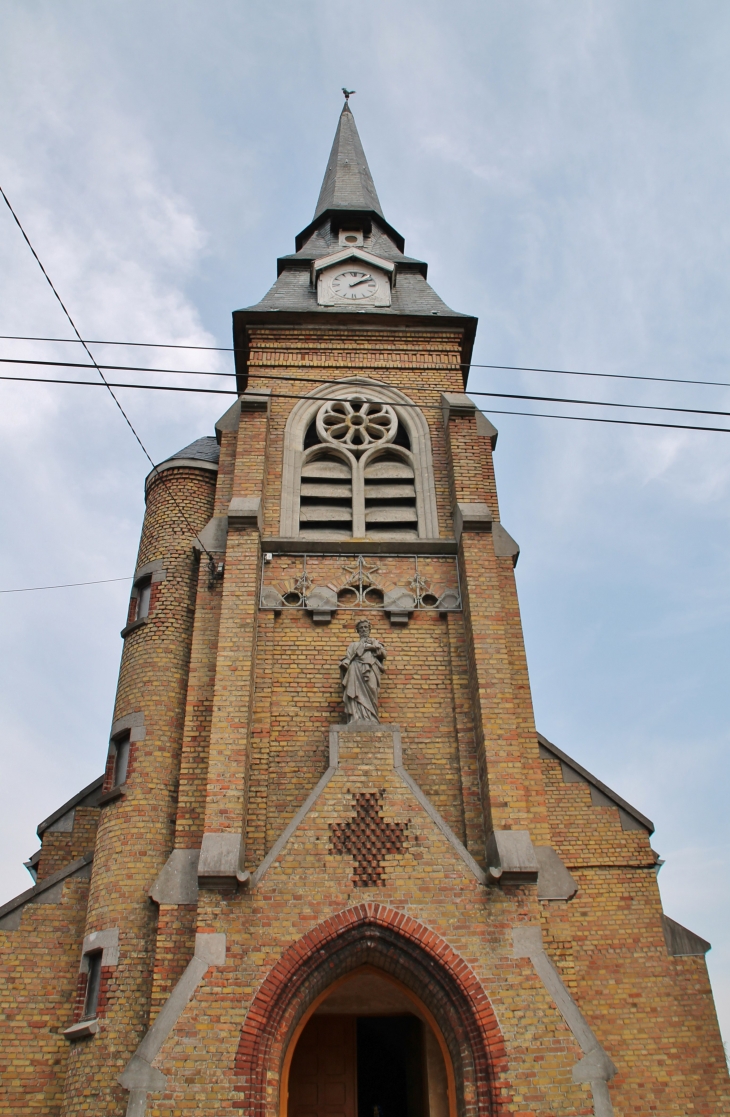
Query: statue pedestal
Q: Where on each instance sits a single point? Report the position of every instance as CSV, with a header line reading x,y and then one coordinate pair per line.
x,y
376,734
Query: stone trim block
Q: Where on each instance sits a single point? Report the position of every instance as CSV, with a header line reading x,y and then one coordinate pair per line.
x,y
64,824
220,858
178,879
554,882
511,857
139,1076
322,603
10,913
596,1068
229,421
130,628
90,792
113,793
213,537
573,772
210,947
681,942
245,512
256,400
106,941
82,1030
154,570
460,405
504,544
133,722
471,517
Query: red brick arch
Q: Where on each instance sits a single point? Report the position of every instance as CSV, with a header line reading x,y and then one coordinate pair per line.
x,y
374,935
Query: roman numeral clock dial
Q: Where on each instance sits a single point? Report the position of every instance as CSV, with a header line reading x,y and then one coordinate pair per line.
x,y
353,284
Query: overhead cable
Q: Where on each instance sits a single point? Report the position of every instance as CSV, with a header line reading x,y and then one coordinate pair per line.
x,y
338,399
460,364
489,395
101,374
66,585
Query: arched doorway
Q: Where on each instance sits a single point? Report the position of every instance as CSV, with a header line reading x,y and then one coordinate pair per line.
x,y
413,955
367,1047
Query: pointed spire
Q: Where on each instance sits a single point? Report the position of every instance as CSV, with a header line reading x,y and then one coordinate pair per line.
x,y
347,183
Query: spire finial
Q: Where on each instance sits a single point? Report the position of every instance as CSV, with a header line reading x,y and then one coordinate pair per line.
x,y
348,93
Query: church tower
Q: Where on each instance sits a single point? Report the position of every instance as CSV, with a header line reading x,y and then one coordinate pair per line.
x,y
332,869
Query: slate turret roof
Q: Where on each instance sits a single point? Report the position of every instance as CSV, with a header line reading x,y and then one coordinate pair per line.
x,y
205,449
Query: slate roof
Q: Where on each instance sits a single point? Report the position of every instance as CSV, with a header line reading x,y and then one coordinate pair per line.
x,y
204,449
293,291
322,240
347,183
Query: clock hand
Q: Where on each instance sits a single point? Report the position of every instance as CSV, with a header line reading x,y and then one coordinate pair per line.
x,y
357,282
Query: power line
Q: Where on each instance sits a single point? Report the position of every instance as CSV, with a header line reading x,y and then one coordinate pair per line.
x,y
319,380
233,392
620,422
114,384
101,374
142,344
338,399
66,585
117,368
461,364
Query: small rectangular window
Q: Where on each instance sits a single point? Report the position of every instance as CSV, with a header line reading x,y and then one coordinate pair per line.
x,y
121,760
93,984
144,589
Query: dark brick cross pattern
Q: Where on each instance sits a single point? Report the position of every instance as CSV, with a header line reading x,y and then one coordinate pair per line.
x,y
367,837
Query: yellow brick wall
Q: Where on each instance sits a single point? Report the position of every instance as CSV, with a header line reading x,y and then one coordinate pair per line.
x,y
38,976
136,832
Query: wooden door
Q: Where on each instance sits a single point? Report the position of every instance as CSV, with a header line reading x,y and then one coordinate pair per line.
x,y
323,1073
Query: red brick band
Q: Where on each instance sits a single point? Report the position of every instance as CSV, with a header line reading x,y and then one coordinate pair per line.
x,y
410,952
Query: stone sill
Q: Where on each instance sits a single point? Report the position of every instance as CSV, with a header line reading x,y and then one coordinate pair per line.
x,y
117,792
133,627
82,1030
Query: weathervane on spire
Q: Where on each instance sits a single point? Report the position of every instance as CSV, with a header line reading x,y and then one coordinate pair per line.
x,y
348,93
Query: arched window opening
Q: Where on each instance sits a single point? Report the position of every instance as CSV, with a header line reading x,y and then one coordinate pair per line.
x,y
358,464
369,1049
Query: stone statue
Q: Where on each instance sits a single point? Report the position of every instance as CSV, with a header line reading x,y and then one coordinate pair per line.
x,y
361,670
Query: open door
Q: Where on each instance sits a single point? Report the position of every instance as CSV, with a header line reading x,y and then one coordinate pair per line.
x,y
368,1049
323,1074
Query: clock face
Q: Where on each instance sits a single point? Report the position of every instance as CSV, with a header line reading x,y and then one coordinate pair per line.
x,y
354,284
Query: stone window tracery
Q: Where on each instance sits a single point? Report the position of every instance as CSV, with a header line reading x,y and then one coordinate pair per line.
x,y
357,472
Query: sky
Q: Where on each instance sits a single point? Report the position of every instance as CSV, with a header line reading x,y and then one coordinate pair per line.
x,y
562,167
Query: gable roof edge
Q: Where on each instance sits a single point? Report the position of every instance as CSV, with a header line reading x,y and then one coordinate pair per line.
x,y
591,779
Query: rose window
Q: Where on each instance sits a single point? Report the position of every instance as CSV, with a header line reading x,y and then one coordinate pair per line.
x,y
356,423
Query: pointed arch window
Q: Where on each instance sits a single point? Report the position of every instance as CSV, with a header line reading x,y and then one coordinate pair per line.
x,y
358,466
